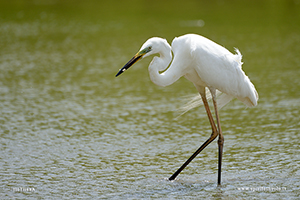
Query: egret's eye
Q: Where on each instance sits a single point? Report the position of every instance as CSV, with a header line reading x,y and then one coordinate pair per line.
x,y
148,49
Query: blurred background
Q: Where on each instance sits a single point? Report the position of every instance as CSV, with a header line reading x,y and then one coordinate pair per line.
x,y
70,129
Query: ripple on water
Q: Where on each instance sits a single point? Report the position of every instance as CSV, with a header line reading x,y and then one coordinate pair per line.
x,y
70,129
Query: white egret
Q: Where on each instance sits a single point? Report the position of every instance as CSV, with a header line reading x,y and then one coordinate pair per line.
x,y
207,65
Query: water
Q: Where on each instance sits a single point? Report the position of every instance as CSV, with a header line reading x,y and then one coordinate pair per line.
x,y
70,129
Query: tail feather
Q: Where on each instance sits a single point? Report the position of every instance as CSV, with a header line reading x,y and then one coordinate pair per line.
x,y
196,101
223,100
250,101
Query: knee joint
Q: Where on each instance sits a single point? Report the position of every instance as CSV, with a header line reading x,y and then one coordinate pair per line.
x,y
221,140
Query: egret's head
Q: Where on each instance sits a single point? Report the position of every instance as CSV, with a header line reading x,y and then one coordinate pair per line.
x,y
151,46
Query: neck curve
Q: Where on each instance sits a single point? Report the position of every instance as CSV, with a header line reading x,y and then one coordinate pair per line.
x,y
159,64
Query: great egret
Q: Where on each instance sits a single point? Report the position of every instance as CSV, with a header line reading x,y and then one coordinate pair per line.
x,y
207,65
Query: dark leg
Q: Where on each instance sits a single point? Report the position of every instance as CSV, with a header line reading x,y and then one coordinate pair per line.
x,y
212,137
220,143
221,138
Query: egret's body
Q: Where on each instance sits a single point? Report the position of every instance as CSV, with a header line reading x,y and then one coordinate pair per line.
x,y
207,65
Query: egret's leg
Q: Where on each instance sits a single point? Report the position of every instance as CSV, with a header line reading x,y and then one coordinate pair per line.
x,y
205,144
221,138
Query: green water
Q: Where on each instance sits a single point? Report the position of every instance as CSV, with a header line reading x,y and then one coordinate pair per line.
x,y
70,129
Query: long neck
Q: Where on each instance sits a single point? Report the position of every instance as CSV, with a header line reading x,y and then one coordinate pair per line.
x,y
160,64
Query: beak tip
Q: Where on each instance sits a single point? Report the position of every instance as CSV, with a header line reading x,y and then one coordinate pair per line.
x,y
117,74
129,63
120,72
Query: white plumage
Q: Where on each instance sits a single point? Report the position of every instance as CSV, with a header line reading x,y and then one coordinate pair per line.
x,y
204,63
207,65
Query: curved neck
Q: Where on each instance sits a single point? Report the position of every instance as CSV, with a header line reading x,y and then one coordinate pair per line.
x,y
160,64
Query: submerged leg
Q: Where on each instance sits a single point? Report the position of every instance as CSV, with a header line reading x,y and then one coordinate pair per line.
x,y
221,138
205,144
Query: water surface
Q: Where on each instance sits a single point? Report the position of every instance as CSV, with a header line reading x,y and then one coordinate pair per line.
x,y
70,129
